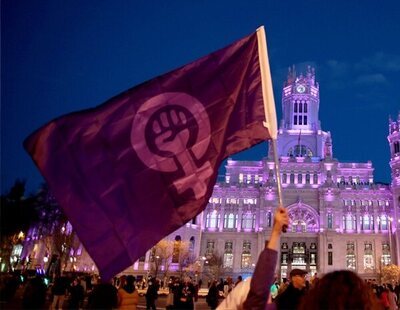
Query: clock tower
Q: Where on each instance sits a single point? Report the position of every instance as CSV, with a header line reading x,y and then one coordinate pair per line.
x,y
300,133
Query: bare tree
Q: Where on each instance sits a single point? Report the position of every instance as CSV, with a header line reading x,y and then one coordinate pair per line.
x,y
161,255
214,266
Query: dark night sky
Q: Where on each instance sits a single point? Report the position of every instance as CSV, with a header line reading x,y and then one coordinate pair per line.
x,y
63,56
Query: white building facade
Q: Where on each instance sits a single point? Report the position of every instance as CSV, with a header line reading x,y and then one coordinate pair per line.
x,y
339,218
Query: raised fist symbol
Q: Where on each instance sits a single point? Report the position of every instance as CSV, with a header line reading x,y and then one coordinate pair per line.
x,y
176,131
170,131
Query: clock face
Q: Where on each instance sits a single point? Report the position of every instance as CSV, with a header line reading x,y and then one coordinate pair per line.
x,y
300,89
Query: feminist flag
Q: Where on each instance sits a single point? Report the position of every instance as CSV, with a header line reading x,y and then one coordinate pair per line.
x,y
136,168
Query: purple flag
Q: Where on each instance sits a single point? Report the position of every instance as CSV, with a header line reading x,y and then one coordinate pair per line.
x,y
136,168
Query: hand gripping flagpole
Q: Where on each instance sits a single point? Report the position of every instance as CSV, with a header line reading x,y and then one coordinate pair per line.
x,y
269,106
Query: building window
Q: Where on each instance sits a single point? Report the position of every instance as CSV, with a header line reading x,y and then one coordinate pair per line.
x,y
228,255
284,258
230,220
292,178
367,222
307,178
330,258
210,247
248,220
313,258
212,219
299,178
383,224
191,244
240,177
176,249
350,256
246,255
368,262
284,178
269,219
299,248
330,221
396,147
386,257
315,178
349,222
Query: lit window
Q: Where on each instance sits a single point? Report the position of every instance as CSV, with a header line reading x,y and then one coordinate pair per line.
x,y
246,255
210,247
350,256
240,177
228,256
248,178
230,220
212,219
248,220
330,221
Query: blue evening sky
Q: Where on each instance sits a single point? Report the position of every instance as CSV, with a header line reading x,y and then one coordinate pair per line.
x,y
60,56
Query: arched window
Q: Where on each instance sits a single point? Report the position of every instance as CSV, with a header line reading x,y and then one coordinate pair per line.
x,y
248,220
191,244
383,222
300,178
212,219
307,178
315,178
349,221
269,218
292,178
230,220
284,178
176,249
367,222
330,221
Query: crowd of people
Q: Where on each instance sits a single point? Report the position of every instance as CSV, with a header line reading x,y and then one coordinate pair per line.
x,y
342,289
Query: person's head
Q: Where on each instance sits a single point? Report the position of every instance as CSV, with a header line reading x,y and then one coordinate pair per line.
x,y
340,290
130,280
298,278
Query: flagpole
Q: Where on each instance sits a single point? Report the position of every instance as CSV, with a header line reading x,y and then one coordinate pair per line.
x,y
269,106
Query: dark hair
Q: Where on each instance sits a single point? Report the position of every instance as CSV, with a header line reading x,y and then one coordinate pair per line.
x,y
340,290
130,284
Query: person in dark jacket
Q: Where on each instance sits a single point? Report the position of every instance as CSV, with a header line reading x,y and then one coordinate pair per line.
x,y
76,294
186,295
291,297
152,294
34,294
103,296
213,295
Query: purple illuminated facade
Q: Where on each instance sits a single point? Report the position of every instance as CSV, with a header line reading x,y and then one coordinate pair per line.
x,y
340,218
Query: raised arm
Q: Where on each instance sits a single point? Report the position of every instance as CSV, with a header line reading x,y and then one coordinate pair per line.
x,y
263,276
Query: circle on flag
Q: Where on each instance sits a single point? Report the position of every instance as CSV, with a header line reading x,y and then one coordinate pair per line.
x,y
169,128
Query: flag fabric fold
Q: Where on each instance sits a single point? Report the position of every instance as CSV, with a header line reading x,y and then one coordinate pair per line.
x,y
136,168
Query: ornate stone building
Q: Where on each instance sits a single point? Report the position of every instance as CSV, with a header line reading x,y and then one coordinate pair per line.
x,y
340,218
